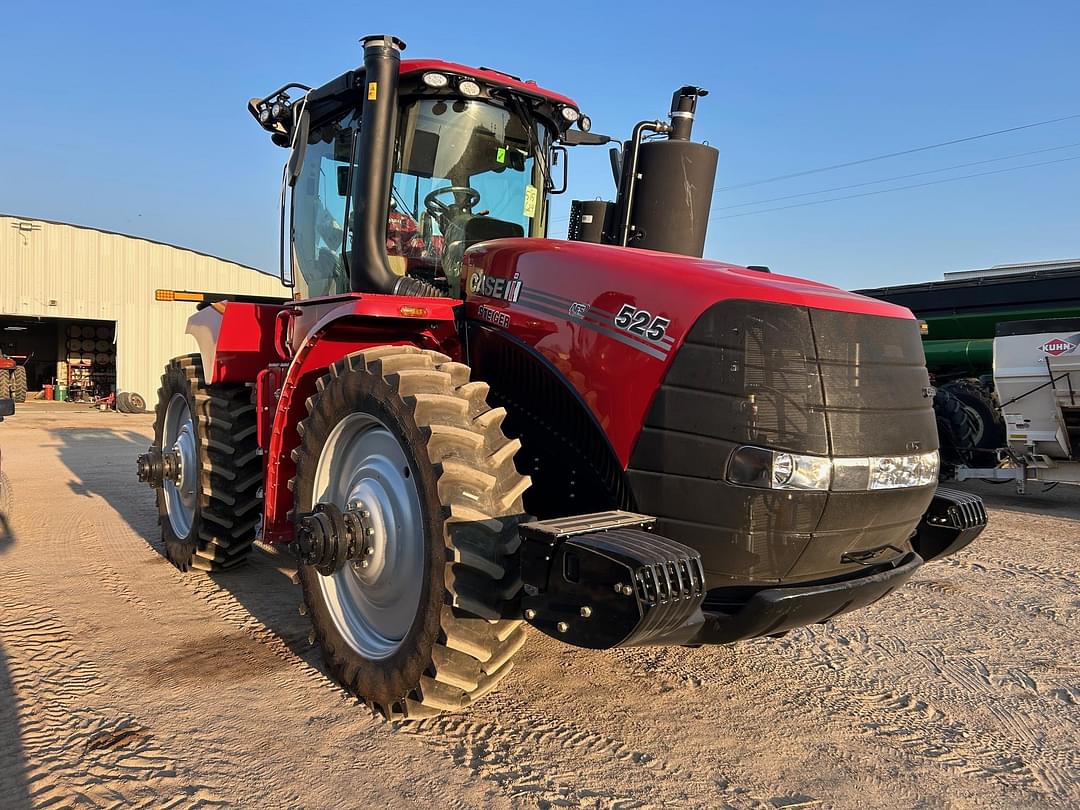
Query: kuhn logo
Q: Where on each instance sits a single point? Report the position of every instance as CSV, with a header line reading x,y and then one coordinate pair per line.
x,y
1057,347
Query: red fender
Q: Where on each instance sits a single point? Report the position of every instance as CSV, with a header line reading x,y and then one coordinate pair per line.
x,y
323,332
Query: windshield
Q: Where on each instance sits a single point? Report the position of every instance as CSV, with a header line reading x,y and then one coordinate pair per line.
x,y
466,171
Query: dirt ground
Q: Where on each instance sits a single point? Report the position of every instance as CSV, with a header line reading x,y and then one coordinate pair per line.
x,y
124,682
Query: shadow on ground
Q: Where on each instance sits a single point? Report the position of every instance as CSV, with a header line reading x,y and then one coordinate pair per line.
x,y
102,462
14,790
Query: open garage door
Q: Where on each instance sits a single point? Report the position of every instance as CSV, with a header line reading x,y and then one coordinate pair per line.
x,y
77,354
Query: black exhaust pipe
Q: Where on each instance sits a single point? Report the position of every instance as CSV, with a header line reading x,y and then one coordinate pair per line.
x,y
369,267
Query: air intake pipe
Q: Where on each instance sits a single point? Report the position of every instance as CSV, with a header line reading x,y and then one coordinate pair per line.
x,y
369,266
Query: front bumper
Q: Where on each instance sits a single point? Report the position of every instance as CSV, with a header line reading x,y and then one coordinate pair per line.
x,y
777,610
608,580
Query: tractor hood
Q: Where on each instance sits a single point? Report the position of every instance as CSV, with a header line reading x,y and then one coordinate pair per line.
x,y
612,313
684,285
684,362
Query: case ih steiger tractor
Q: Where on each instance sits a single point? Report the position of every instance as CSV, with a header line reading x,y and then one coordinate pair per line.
x,y
460,426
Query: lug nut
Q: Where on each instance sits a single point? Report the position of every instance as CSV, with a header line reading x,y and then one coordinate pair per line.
x,y
562,627
627,590
530,614
618,587
364,563
586,612
369,550
369,531
364,513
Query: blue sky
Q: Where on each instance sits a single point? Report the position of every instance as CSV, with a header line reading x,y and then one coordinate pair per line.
x,y
131,116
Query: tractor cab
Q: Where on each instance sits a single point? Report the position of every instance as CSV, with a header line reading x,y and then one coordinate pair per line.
x,y
464,156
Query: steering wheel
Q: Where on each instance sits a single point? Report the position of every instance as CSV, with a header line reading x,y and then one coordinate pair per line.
x,y
445,212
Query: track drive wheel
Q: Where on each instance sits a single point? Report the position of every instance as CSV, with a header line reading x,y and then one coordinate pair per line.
x,y
426,621
18,383
210,513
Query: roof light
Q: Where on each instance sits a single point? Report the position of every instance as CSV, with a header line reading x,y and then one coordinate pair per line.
x,y
570,114
468,88
264,115
276,110
432,79
584,123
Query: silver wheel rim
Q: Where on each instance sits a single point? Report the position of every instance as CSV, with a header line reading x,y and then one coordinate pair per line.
x,y
181,496
363,466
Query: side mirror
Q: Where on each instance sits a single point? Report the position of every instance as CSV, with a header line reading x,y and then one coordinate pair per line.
x,y
555,152
615,155
7,408
300,139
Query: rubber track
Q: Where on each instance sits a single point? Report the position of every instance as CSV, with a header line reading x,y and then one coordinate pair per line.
x,y
481,491
231,471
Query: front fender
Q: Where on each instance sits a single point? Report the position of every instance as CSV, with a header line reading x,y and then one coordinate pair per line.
x,y
322,335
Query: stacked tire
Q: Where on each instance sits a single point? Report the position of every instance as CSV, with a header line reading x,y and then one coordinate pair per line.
x,y
130,402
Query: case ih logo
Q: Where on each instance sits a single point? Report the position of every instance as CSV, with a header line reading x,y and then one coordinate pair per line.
x,y
1057,347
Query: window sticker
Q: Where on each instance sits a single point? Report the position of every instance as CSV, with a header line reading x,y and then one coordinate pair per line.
x,y
530,201
500,155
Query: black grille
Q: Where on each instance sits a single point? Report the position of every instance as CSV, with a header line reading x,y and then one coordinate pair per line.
x,y
787,378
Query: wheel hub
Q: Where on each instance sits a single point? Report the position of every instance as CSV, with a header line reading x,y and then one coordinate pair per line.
x,y
375,551
179,466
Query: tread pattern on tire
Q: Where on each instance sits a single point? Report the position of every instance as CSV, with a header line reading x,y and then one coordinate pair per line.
x,y
990,433
230,475
18,383
481,492
956,427
5,384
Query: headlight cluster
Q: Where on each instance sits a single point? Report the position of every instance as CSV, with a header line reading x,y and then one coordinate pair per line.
x,y
772,469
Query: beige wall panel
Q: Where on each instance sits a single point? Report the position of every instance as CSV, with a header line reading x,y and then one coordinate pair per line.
x,y
52,270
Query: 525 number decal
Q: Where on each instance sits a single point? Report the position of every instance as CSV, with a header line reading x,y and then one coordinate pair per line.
x,y
643,323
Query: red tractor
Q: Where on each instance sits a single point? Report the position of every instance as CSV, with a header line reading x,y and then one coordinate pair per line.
x,y
459,425
13,376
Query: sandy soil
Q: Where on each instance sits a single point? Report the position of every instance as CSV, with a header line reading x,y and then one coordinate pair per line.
x,y
124,682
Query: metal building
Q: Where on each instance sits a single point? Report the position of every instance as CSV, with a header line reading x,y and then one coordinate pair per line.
x,y
79,303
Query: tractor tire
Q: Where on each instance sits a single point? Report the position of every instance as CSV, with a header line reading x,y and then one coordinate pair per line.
x,y
7,500
5,385
454,610
208,519
990,426
18,383
136,403
957,428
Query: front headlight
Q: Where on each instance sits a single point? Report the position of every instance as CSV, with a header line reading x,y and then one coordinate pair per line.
x,y
896,472
772,469
758,467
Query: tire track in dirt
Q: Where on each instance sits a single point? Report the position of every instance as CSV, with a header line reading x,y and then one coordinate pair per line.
x,y
77,753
